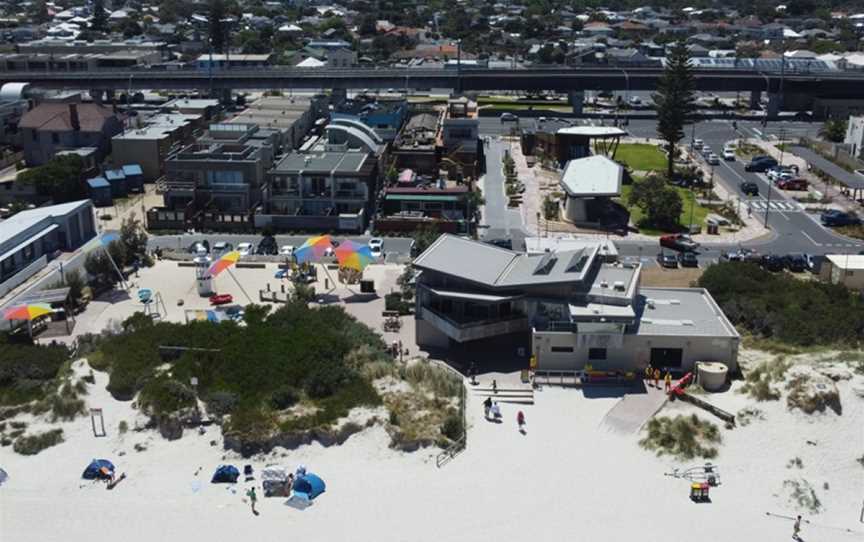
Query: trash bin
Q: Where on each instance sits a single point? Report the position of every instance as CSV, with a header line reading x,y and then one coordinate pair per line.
x,y
713,229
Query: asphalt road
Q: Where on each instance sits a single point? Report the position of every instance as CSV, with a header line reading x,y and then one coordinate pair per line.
x,y
400,245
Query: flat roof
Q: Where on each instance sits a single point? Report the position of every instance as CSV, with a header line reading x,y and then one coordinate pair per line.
x,y
346,162
850,262
592,176
539,245
26,219
592,131
421,197
679,312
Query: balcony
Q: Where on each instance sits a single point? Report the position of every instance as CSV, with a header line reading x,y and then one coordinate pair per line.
x,y
472,330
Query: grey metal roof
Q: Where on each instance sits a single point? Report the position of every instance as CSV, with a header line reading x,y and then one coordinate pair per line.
x,y
592,176
681,311
27,219
326,162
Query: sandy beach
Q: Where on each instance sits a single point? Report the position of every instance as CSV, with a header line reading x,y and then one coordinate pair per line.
x,y
570,476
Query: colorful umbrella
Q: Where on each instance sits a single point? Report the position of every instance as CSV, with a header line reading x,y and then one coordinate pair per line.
x,y
102,240
313,249
223,263
26,312
353,255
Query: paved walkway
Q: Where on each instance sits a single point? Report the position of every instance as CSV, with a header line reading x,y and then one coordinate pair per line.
x,y
633,410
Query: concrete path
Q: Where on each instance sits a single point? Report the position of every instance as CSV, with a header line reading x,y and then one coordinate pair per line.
x,y
633,410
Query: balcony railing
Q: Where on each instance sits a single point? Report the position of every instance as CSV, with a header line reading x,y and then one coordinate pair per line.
x,y
350,194
470,330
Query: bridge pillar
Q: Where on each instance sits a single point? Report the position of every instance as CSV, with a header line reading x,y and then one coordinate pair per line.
x,y
755,98
225,96
774,104
109,96
577,100
96,95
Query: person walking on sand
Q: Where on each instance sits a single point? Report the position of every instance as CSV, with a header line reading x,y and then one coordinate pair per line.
x,y
520,421
494,386
487,406
252,499
796,528
668,381
657,378
648,375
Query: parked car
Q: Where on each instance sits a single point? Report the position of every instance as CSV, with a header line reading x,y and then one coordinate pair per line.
x,y
221,299
268,246
792,184
741,255
713,159
773,263
376,251
280,274
246,249
667,260
688,259
834,218
376,242
760,163
286,250
749,188
796,263
509,117
698,144
199,248
729,154
635,100
678,241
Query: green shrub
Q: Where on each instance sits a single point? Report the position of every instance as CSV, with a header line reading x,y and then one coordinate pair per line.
x,y
394,418
122,427
33,444
325,379
164,395
26,370
452,427
436,379
65,407
284,397
221,403
684,437
394,302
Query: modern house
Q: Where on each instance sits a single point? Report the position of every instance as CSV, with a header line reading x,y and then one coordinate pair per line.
x,y
51,127
560,143
291,117
30,239
384,115
460,136
568,308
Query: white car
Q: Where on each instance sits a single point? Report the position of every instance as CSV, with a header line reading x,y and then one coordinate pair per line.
x,y
508,117
245,249
698,144
376,251
286,250
376,242
729,154
713,159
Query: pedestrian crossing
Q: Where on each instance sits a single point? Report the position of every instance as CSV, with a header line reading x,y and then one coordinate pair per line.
x,y
782,206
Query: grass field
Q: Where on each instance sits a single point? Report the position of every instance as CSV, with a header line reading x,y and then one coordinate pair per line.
x,y
687,197
641,157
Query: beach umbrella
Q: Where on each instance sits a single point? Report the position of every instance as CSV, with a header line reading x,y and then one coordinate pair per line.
x,y
353,255
224,263
26,312
313,249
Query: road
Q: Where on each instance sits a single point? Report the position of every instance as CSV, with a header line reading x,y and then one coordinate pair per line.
x,y
499,222
398,245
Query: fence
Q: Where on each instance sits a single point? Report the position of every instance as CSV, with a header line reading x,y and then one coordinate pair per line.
x,y
461,443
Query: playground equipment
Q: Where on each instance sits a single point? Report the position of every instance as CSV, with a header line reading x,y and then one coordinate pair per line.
x,y
152,302
98,422
707,473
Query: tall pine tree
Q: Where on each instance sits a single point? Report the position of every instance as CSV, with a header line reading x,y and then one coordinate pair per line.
x,y
675,100
217,25
99,22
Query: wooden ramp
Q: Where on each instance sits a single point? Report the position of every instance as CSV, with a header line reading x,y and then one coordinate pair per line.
x,y
634,409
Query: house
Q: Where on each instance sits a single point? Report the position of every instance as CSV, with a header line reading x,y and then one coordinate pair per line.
x,y
52,127
99,190
31,239
290,117
208,109
569,309
597,28
588,184
561,141
627,56
416,146
460,136
383,114
845,269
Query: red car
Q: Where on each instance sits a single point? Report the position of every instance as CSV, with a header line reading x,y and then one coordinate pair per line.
x,y
221,299
792,184
680,242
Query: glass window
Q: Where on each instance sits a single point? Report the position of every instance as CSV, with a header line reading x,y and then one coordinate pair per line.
x,y
55,138
596,354
562,349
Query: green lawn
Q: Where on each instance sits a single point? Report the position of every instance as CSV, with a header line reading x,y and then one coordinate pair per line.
x,y
641,157
636,216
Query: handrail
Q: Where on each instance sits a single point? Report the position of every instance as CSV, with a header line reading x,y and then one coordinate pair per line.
x,y
461,443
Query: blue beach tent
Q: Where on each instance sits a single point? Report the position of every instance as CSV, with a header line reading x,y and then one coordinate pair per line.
x,y
225,474
309,485
92,470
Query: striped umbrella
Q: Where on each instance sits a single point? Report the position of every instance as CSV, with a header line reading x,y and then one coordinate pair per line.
x,y
313,249
223,263
27,312
353,255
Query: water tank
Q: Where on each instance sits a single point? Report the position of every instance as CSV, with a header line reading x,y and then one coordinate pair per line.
x,y
711,375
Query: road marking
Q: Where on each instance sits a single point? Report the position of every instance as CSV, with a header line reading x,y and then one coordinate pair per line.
x,y
805,234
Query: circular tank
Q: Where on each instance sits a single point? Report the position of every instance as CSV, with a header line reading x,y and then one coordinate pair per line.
x,y
203,280
711,375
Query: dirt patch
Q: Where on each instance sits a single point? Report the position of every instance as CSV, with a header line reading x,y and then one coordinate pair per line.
x,y
658,277
812,392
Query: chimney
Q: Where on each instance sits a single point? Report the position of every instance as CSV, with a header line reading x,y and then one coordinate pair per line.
x,y
73,117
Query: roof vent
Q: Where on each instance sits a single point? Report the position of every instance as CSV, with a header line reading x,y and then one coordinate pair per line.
x,y
604,284
619,285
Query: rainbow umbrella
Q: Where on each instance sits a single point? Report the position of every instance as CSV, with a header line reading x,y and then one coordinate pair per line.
x,y
313,249
353,255
26,312
223,263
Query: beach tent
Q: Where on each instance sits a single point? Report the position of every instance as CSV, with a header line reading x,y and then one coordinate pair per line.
x,y
225,474
92,470
309,485
274,480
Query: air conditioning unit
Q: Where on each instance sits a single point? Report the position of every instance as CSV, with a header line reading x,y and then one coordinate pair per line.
x,y
619,285
604,284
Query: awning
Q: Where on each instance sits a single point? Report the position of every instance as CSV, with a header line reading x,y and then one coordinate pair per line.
x,y
20,246
421,197
472,297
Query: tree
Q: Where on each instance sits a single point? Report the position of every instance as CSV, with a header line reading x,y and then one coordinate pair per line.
x,y
367,25
833,130
134,239
216,25
660,203
75,282
60,179
100,16
675,100
423,237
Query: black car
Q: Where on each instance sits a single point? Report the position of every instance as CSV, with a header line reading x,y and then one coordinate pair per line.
x,y
797,263
667,260
268,246
835,218
688,259
773,263
749,188
760,163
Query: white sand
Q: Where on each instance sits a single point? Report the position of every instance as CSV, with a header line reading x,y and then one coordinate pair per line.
x,y
568,478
